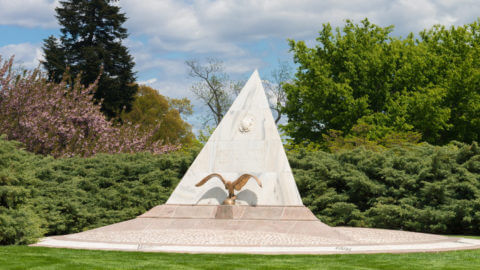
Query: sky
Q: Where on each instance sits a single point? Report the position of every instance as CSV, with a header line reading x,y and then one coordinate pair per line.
x,y
244,34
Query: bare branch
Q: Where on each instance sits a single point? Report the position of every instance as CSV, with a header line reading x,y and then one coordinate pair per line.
x,y
274,88
214,87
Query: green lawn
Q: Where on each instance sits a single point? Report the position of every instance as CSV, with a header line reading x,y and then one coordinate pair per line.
x,y
23,257
465,236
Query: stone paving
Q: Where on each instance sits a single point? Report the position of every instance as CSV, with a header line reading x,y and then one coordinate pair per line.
x,y
245,229
195,237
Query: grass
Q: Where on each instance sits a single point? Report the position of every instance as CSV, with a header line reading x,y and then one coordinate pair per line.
x,y
24,257
465,236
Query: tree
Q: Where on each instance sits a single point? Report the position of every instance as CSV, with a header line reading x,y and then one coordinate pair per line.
x,y
54,63
182,105
91,42
152,111
61,119
456,52
214,87
275,90
361,75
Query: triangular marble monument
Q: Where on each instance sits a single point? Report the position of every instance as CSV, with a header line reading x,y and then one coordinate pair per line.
x,y
245,141
272,219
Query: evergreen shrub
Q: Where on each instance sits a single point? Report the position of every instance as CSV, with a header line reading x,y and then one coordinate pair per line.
x,y
422,188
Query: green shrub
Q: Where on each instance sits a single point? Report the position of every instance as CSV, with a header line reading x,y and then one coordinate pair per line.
x,y
19,226
75,194
421,188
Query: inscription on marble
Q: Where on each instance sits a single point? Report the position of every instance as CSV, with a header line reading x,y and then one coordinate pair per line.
x,y
344,248
252,160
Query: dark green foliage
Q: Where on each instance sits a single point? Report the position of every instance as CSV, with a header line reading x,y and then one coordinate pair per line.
x,y
19,226
54,63
58,196
418,188
91,44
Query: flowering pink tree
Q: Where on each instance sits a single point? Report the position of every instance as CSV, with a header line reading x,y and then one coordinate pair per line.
x,y
61,119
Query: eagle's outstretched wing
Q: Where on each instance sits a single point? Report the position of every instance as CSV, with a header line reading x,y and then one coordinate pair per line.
x,y
243,179
204,180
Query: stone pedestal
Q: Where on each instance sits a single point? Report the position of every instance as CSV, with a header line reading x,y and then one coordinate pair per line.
x,y
234,212
248,229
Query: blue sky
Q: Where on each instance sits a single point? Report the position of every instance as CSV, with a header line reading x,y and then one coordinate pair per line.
x,y
245,34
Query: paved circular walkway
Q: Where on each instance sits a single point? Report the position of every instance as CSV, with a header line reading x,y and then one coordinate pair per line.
x,y
243,229
461,243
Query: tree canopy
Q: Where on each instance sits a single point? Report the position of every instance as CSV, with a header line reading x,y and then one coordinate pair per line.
x,y
154,112
361,75
91,44
59,119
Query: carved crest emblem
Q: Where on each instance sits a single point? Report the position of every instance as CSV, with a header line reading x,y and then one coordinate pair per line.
x,y
246,124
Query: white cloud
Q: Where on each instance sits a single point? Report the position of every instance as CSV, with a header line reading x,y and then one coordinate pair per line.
x,y
225,28
148,82
26,55
28,13
173,88
147,61
222,25
228,29
242,65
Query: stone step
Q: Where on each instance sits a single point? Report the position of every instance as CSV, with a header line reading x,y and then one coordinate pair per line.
x,y
238,212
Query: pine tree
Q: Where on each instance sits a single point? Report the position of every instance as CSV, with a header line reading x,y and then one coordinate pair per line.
x,y
90,43
54,59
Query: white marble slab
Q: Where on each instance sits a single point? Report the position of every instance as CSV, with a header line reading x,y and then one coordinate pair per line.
x,y
462,243
231,152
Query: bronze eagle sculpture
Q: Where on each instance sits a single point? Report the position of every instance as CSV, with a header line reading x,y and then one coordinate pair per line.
x,y
231,186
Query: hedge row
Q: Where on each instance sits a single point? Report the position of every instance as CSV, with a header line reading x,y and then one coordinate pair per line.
x,y
46,196
419,188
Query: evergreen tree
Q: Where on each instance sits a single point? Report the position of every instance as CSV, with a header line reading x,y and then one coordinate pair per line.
x,y
54,59
91,42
